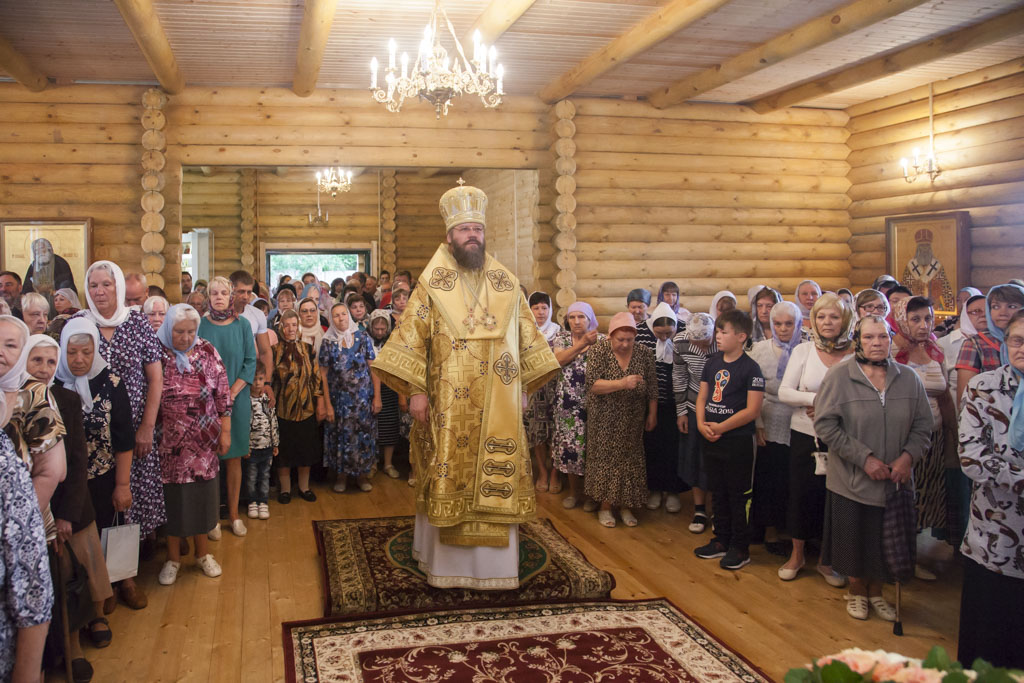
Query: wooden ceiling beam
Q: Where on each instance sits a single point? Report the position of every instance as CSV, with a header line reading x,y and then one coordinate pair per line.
x,y
144,23
317,18
497,18
428,173
973,37
20,69
811,34
664,22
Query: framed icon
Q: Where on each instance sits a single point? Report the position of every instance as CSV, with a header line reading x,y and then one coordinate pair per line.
x,y
931,255
68,238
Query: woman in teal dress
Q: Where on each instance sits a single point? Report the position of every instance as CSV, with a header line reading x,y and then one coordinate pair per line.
x,y
350,432
232,337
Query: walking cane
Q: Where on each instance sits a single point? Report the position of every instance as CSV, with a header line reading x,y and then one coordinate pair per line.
x,y
63,597
897,627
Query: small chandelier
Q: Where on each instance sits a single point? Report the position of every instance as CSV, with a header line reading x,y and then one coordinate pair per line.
x,y
435,77
929,164
321,219
333,180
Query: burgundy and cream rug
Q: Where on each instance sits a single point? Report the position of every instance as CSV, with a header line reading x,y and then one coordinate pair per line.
x,y
608,641
368,568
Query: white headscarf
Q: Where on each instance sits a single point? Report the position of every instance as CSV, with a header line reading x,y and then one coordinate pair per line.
x,y
343,338
41,340
753,291
549,329
80,385
663,351
718,297
122,312
14,378
70,295
805,312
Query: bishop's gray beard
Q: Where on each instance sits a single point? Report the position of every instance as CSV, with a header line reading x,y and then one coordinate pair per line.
x,y
472,258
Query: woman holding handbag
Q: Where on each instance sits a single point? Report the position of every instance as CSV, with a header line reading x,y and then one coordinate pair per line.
x,y
875,418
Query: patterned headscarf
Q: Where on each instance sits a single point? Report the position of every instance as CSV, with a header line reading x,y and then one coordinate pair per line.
x,y
701,327
176,314
787,347
930,345
858,348
843,341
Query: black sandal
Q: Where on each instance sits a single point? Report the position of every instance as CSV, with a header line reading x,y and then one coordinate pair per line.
x,y
307,495
284,497
100,639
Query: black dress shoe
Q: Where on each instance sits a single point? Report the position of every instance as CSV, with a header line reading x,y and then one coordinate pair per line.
x,y
284,497
81,670
307,495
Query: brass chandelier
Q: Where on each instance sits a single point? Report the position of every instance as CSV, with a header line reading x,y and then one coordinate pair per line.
x,y
434,76
333,180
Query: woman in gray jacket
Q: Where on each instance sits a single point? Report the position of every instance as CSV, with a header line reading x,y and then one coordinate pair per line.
x,y
875,418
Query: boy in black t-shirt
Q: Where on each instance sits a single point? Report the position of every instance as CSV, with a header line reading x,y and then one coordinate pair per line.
x,y
731,393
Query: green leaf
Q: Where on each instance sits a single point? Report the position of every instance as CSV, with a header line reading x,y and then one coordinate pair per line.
x,y
839,672
800,675
938,659
955,677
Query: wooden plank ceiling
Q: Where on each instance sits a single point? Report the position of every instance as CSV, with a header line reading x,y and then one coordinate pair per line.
x,y
255,42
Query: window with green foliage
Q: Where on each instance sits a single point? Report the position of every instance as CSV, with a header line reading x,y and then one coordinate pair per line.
x,y
326,265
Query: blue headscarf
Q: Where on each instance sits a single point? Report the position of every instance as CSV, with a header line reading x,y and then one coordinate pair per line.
x,y
175,314
787,347
997,333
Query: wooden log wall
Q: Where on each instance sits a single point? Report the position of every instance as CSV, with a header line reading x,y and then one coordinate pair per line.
x,y
75,153
709,196
215,201
979,143
418,223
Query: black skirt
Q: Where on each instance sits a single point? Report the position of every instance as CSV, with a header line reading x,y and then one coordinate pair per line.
x,y
661,452
300,443
852,540
806,489
991,620
192,508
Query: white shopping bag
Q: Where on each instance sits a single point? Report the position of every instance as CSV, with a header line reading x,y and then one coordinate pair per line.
x,y
121,550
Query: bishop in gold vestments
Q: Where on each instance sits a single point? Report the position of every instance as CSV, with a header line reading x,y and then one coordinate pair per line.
x,y
468,348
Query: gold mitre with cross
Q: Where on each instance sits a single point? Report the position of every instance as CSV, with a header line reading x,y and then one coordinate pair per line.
x,y
463,204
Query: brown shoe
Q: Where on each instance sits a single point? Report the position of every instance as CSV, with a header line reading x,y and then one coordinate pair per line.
x,y
134,597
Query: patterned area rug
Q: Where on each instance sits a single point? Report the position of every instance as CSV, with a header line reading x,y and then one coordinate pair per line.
x,y
608,641
368,568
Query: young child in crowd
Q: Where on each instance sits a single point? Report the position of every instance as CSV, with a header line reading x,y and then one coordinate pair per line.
x,y
690,350
731,393
263,442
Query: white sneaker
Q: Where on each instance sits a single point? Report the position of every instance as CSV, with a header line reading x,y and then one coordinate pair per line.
x,y
654,500
214,533
340,485
254,510
169,573
264,511
672,503
238,528
209,566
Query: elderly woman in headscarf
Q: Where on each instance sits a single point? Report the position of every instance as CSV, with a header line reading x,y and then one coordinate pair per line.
x,y
311,329
669,293
538,408
622,403
195,418
690,350
323,300
350,431
831,324
65,301
771,468
661,446
155,309
807,292
637,302
24,571
106,417
569,407
917,348
233,339
379,329
761,304
129,346
721,302
71,505
34,425
874,416
991,447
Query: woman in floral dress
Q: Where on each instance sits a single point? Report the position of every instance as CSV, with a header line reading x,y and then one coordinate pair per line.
x,y
350,432
130,347
568,409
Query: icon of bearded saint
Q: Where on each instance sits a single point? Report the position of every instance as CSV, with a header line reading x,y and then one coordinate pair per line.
x,y
48,272
925,275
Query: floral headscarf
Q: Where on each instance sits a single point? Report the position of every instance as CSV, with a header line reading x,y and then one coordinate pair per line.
x,y
843,341
930,345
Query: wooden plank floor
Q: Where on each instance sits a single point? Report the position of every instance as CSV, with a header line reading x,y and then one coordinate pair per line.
x,y
229,629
